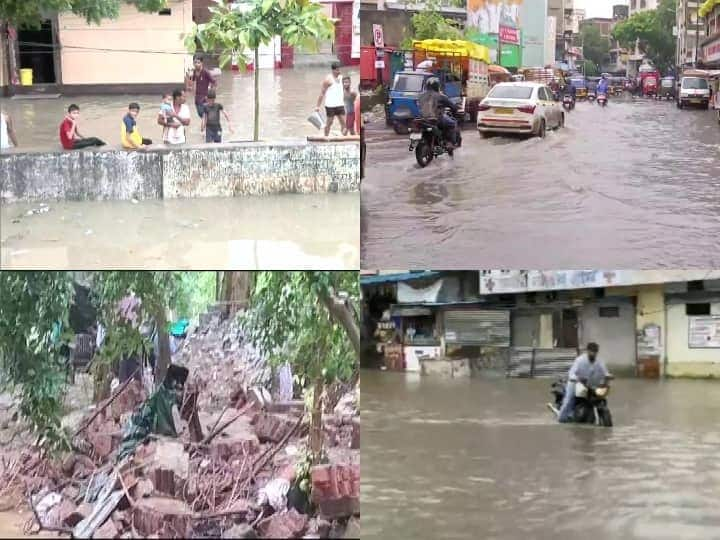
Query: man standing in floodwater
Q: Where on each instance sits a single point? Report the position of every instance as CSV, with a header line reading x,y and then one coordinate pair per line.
x,y
70,136
203,83
174,132
587,369
333,95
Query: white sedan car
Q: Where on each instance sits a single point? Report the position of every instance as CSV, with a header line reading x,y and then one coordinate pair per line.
x,y
519,107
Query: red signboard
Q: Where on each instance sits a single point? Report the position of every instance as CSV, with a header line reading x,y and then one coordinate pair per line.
x,y
509,35
712,51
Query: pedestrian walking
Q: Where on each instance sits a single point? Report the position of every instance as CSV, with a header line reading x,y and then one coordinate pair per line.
x,y
349,96
174,127
211,119
130,137
203,82
8,138
70,136
332,94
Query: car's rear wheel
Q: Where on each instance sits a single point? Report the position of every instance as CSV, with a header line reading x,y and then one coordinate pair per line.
x,y
562,121
541,129
485,134
401,128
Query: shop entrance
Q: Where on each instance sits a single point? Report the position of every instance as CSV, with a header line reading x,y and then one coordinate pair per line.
x,y
37,52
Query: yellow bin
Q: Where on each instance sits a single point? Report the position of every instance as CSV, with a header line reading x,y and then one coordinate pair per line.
x,y
26,77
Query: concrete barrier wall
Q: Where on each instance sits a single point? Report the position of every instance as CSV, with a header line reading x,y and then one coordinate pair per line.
x,y
190,171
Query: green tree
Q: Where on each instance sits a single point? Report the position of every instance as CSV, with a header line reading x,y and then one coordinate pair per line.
x,y
310,320
34,306
431,24
236,28
595,47
653,28
32,12
158,292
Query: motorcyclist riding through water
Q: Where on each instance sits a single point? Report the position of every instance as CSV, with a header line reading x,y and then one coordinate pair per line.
x,y
603,86
432,106
587,369
570,90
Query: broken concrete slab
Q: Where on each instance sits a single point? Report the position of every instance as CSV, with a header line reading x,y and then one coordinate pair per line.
x,y
151,514
107,530
169,467
288,524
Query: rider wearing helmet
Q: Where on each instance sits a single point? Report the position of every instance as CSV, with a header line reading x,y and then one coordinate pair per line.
x,y
432,107
603,85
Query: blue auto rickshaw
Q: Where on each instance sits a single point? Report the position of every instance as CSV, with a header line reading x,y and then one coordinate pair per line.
x,y
405,92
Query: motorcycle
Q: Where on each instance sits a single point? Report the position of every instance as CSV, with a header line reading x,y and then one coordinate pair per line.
x,y
428,142
568,102
590,403
591,96
602,100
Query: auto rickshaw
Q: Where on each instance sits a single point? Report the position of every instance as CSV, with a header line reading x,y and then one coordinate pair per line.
x,y
580,84
667,88
650,86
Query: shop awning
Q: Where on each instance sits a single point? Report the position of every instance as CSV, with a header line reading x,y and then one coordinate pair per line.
x,y
394,278
454,48
410,311
707,6
494,68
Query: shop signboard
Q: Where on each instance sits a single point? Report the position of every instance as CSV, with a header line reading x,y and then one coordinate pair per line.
x,y
704,332
711,52
490,21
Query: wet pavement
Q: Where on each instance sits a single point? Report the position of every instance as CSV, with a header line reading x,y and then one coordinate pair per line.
x,y
482,458
287,97
314,231
634,185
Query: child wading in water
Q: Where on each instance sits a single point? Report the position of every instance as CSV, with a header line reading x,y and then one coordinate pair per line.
x,y
349,97
211,119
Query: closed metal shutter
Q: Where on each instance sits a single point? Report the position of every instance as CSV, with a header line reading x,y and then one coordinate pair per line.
x,y
478,327
529,362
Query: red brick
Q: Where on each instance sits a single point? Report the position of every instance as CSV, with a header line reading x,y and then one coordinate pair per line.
x,y
288,524
336,490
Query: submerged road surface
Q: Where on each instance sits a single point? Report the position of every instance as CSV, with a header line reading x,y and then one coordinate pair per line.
x,y
485,459
634,185
310,231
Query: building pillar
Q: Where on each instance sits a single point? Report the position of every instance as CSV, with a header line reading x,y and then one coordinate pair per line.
x,y
650,313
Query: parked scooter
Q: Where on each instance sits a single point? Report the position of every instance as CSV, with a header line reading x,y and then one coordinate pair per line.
x,y
590,403
602,100
428,142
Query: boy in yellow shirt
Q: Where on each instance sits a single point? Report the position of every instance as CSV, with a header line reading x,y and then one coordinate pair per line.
x,y
129,134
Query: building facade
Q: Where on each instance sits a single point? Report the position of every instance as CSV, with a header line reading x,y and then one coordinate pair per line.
x,y
642,5
568,18
690,30
534,323
710,40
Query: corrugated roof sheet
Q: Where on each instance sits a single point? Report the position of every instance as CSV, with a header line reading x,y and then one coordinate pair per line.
x,y
394,278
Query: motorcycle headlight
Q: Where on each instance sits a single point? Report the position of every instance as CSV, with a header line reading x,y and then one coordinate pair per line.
x,y
602,391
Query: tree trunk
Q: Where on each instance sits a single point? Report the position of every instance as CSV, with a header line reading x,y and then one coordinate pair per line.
x,y
256,128
316,432
162,361
235,291
342,312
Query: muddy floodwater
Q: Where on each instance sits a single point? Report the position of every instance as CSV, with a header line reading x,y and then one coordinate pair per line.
x,y
287,97
636,184
318,231
481,458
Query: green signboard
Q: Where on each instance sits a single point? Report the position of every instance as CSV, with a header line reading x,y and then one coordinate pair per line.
x,y
511,54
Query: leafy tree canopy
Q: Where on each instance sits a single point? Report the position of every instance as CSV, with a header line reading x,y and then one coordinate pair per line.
x,y
653,28
33,12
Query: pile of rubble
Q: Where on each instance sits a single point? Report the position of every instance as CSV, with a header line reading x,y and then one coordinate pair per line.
x,y
221,362
229,473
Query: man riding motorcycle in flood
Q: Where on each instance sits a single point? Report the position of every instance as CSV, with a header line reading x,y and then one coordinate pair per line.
x,y
587,369
570,90
603,86
432,107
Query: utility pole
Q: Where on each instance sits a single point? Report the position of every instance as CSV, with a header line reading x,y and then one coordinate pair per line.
x,y
697,35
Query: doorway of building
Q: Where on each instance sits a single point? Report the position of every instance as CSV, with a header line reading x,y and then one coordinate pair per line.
x,y
37,52
568,331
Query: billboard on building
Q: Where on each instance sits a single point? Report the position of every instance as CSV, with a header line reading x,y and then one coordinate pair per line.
x,y
704,332
514,281
486,19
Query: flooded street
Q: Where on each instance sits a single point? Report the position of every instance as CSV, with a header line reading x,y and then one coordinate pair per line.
x,y
634,185
318,231
484,459
287,97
